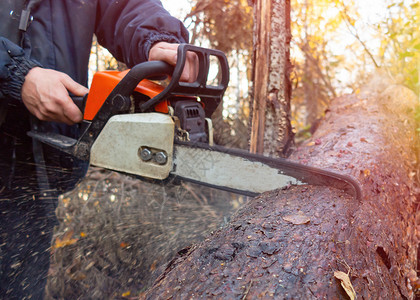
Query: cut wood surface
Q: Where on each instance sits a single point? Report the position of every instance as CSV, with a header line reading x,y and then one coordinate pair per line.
x,y
318,242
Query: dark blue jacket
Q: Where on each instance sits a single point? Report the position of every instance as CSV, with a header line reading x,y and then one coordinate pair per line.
x,y
60,38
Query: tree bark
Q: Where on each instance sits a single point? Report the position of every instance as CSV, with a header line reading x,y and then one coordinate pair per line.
x,y
271,131
288,244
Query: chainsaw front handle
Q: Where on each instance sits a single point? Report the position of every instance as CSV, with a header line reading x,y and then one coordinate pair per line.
x,y
79,101
211,95
199,88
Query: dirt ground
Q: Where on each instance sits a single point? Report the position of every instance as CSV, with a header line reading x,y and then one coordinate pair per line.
x,y
116,232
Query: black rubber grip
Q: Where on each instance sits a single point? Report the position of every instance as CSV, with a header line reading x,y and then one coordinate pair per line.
x,y
80,102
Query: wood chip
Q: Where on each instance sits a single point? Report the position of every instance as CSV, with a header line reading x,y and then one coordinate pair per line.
x,y
346,284
297,219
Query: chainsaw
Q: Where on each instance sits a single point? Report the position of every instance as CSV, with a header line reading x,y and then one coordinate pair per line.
x,y
134,125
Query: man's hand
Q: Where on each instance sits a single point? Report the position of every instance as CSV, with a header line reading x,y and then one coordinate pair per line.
x,y
168,52
45,94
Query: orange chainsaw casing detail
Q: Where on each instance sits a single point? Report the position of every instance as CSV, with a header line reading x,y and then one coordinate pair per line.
x,y
105,81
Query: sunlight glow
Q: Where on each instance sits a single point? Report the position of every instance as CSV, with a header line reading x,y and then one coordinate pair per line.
x,y
177,8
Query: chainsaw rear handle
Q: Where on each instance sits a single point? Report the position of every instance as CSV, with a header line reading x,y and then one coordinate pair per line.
x,y
117,102
80,101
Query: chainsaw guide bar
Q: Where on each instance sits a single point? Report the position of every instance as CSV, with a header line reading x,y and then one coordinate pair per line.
x,y
250,174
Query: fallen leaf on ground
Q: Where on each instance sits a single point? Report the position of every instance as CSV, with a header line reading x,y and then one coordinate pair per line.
x,y
346,283
297,219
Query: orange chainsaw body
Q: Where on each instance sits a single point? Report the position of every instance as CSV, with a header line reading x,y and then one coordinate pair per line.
x,y
105,81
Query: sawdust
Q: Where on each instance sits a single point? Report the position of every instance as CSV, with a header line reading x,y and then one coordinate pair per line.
x,y
117,232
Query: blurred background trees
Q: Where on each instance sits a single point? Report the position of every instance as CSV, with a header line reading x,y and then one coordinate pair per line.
x,y
399,50
336,46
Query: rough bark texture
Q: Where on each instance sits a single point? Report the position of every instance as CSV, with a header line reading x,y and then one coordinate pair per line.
x,y
287,244
271,131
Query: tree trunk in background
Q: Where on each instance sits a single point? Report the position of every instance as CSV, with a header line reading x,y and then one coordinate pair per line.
x,y
307,242
310,87
310,93
271,131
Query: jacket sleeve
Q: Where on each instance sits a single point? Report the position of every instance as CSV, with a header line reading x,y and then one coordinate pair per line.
x,y
128,28
13,68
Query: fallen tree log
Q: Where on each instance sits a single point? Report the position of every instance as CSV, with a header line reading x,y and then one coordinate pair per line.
x,y
317,242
